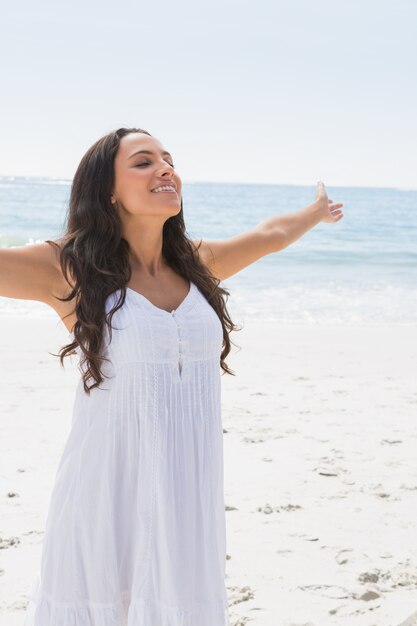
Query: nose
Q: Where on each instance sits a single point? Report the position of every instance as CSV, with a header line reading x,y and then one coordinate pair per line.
x,y
168,169
168,173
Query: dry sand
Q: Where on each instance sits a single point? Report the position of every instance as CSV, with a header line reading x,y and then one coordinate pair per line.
x,y
320,469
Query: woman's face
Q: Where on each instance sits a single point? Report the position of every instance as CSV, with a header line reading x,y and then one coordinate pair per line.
x,y
137,173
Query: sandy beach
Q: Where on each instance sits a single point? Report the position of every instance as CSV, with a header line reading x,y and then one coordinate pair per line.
x,y
320,438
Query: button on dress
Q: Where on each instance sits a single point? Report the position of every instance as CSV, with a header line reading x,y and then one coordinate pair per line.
x,y
135,532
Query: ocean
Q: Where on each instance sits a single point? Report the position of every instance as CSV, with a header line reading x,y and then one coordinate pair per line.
x,y
359,271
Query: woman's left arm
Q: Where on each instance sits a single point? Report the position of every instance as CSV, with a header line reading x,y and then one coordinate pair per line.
x,y
285,229
226,257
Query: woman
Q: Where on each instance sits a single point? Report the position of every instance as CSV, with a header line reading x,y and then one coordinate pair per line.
x,y
135,532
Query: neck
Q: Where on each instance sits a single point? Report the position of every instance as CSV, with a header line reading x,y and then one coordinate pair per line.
x,y
145,250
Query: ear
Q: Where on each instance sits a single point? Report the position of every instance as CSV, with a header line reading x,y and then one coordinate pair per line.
x,y
113,199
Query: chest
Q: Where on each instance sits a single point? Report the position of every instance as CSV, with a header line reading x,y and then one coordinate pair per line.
x,y
146,334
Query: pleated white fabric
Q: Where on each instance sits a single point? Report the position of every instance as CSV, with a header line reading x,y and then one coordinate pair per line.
x,y
135,533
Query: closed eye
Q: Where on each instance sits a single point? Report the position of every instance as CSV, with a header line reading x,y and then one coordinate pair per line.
x,y
145,164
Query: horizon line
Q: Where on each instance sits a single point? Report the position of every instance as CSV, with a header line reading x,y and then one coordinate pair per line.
x,y
214,182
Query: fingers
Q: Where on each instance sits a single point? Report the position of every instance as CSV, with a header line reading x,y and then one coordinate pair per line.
x,y
333,208
321,189
336,215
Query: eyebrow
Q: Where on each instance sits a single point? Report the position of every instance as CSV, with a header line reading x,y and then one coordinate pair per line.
x,y
146,152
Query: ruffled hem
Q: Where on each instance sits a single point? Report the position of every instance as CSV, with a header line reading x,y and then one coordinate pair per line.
x,y
43,611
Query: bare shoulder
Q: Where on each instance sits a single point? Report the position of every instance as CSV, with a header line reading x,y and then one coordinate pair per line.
x,y
204,252
32,272
61,286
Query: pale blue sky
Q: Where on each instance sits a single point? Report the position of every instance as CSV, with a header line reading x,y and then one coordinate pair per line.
x,y
263,92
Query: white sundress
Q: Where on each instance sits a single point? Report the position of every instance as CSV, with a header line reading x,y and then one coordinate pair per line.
x,y
135,530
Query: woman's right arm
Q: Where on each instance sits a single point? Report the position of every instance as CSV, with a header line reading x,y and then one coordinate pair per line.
x,y
31,272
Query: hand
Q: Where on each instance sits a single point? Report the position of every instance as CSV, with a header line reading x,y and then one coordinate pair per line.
x,y
331,212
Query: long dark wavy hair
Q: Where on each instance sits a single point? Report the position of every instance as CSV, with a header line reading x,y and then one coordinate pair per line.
x,y
94,254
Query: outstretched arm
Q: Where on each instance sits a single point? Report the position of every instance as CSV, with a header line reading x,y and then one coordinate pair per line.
x,y
30,272
285,229
226,257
